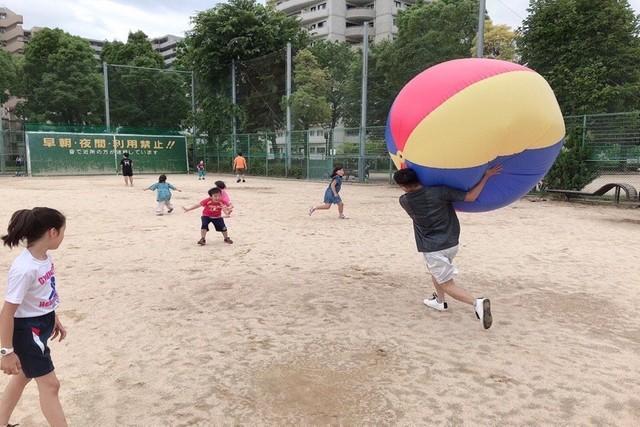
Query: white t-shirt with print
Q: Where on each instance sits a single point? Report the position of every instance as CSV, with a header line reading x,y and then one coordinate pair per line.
x,y
32,284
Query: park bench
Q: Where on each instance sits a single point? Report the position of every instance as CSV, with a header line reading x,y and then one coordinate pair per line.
x,y
629,190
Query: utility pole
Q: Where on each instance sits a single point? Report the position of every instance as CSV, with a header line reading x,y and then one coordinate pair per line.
x,y
363,105
233,101
480,37
287,137
105,78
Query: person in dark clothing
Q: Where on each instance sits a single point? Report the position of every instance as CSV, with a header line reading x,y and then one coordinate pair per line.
x,y
127,169
437,232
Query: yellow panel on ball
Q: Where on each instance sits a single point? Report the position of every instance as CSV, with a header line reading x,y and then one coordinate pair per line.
x,y
497,116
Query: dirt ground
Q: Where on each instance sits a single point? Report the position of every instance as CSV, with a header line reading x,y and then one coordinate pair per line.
x,y
316,320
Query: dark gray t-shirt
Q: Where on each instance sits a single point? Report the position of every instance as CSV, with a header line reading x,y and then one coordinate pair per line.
x,y
435,222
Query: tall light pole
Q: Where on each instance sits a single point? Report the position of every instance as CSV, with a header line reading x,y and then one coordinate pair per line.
x,y
480,37
363,104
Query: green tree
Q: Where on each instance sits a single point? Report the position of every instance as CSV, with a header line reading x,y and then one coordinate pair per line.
x,y
61,83
499,42
8,76
240,30
588,50
572,169
336,58
309,105
428,33
140,97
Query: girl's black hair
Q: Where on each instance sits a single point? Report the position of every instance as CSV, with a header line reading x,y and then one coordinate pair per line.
x,y
214,190
32,224
336,169
220,184
162,178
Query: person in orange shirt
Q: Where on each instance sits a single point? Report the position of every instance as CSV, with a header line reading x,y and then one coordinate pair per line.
x,y
239,166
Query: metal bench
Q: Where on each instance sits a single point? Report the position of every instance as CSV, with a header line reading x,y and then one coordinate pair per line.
x,y
630,192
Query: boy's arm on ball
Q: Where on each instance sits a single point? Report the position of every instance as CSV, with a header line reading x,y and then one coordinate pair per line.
x,y
473,194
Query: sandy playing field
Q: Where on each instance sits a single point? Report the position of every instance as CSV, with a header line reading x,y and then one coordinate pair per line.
x,y
320,321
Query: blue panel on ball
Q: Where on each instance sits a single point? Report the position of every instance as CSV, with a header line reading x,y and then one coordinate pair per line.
x,y
391,143
521,172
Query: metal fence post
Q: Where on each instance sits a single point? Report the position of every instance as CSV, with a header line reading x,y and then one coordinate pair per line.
x,y
307,151
584,129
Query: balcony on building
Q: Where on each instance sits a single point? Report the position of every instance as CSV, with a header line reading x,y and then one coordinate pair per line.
x,y
289,6
355,33
310,16
11,34
360,3
319,31
361,14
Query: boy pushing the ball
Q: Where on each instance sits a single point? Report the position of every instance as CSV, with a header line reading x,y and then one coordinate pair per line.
x,y
437,232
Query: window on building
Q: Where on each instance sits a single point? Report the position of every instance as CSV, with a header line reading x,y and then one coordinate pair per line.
x,y
371,24
313,9
322,6
3,16
2,30
321,24
398,5
312,26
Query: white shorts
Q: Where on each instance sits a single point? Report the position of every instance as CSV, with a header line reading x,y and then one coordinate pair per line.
x,y
440,264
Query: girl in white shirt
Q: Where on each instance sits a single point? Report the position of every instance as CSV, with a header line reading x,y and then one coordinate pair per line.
x,y
28,318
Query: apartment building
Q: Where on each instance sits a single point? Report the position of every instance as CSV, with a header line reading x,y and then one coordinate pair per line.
x,y
11,32
344,20
13,38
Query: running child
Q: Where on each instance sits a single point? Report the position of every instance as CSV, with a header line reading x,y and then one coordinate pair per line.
x,y
332,194
437,232
28,319
213,208
224,196
201,170
163,196
240,166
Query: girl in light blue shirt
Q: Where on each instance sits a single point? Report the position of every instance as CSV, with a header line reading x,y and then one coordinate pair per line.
x,y
163,196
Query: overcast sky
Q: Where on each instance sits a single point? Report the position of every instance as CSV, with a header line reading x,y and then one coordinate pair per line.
x,y
113,19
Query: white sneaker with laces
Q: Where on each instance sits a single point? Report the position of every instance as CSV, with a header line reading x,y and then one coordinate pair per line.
x,y
482,307
433,303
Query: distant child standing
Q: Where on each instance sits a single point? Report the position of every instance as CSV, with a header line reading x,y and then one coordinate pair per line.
x,y
332,194
163,196
224,196
240,167
201,170
28,318
213,208
127,169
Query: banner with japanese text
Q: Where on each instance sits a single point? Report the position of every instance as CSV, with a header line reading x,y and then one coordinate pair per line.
x,y
56,153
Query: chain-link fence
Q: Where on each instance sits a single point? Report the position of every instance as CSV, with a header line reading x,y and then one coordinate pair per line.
x,y
314,153
613,140
13,155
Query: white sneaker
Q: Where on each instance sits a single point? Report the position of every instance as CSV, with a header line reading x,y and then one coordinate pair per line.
x,y
482,307
433,303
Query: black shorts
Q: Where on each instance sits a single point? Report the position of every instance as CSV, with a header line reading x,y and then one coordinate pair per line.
x,y
30,335
218,223
127,173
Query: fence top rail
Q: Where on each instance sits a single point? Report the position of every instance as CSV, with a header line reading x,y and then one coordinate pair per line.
x,y
581,116
105,134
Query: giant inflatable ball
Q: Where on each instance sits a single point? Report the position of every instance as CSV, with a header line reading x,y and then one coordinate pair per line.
x,y
456,119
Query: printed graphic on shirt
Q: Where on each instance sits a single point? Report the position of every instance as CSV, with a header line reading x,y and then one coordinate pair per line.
x,y
53,299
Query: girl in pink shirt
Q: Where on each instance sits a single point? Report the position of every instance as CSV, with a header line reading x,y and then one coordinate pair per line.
x,y
224,195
